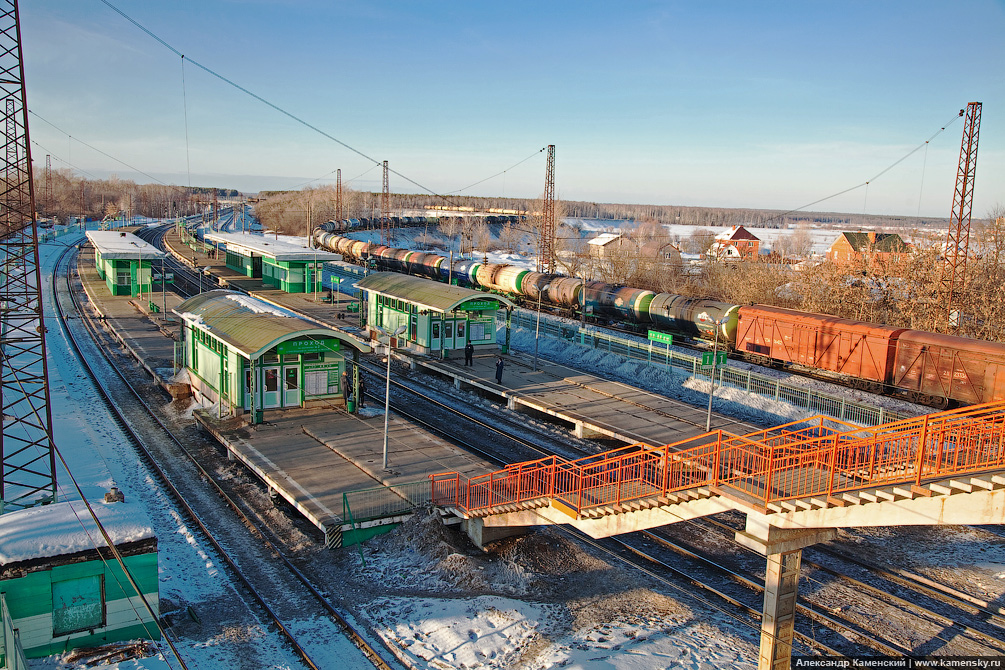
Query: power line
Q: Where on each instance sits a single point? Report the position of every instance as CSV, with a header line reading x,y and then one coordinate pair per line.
x,y
499,173
878,175
274,106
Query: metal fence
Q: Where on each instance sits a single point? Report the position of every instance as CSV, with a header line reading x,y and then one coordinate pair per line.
x,y
12,652
664,356
384,501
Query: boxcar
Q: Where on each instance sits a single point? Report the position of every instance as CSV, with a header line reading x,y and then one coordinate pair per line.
x,y
930,366
863,352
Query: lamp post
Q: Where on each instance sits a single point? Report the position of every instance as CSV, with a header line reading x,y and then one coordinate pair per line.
x,y
387,389
711,391
537,328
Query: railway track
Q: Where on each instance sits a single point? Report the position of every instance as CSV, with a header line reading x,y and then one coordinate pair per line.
x,y
271,581
519,443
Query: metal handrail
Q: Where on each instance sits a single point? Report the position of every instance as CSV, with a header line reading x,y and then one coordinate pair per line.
x,y
794,460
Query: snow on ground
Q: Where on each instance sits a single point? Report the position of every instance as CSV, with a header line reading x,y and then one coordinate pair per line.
x,y
537,601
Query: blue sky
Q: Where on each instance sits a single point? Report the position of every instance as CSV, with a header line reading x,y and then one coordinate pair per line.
x,y
733,104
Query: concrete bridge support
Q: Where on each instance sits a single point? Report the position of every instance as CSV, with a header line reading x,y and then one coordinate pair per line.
x,y
783,548
781,587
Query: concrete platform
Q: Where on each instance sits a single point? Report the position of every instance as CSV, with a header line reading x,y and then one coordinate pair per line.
x,y
313,457
592,406
149,336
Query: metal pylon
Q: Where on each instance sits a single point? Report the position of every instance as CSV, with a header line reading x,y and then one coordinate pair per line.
x,y
28,468
546,261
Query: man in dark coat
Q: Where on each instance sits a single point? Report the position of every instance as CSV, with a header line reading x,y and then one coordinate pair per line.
x,y
362,392
346,386
499,369
469,352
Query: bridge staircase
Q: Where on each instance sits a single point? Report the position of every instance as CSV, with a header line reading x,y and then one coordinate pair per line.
x,y
797,483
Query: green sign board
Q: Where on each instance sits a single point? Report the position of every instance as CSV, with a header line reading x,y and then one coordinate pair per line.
x,y
656,336
706,359
472,305
308,346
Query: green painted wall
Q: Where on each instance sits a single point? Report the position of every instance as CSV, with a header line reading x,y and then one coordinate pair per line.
x,y
31,596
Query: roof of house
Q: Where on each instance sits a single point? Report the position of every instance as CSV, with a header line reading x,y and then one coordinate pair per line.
x,y
603,239
280,250
425,293
885,242
737,233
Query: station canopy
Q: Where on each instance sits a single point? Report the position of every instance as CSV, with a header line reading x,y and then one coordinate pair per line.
x,y
279,250
252,326
117,245
426,293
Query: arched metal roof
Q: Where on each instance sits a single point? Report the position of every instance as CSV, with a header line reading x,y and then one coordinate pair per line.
x,y
425,293
252,326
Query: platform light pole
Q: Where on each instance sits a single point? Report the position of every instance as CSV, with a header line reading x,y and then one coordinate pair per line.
x,y
537,328
711,391
387,390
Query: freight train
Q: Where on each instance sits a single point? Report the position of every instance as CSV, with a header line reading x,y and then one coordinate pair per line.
x,y
927,368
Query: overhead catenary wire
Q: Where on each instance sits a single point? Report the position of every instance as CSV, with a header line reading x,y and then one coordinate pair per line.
x,y
270,104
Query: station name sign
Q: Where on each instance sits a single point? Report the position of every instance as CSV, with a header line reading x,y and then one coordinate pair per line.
x,y
472,305
308,346
656,336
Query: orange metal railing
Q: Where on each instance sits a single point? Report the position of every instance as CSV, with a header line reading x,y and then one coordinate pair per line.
x,y
815,457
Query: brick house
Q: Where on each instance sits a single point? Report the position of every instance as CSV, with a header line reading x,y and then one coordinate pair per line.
x,y
876,246
737,242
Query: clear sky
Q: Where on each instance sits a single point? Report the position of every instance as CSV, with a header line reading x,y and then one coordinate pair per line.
x,y
733,104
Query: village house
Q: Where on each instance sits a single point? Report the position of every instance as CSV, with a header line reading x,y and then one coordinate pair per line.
x,y
737,242
853,246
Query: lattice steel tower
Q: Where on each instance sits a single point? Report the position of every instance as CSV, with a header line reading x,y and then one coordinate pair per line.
x,y
28,468
385,206
546,260
338,195
954,269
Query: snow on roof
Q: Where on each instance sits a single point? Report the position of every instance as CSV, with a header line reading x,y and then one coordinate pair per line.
x,y
112,244
67,528
603,239
260,306
281,250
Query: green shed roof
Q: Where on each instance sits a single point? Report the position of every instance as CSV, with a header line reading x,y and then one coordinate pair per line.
x,y
252,326
426,293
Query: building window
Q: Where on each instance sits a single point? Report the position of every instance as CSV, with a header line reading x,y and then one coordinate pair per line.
x,y
77,604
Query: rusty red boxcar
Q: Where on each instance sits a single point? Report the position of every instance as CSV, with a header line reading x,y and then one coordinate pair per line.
x,y
863,352
932,366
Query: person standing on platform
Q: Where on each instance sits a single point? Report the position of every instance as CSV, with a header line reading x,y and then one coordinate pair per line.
x,y
499,369
346,387
362,392
469,352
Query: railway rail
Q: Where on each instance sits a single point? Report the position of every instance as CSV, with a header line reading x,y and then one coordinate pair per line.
x,y
162,454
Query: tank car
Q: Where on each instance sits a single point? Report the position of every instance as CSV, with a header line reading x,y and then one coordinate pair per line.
x,y
627,303
694,317
533,283
501,277
565,291
465,272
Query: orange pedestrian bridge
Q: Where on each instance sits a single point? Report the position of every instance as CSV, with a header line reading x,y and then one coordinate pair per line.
x,y
797,484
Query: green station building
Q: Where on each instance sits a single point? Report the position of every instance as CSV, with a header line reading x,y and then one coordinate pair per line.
x,y
60,586
438,318
246,355
126,263
279,264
